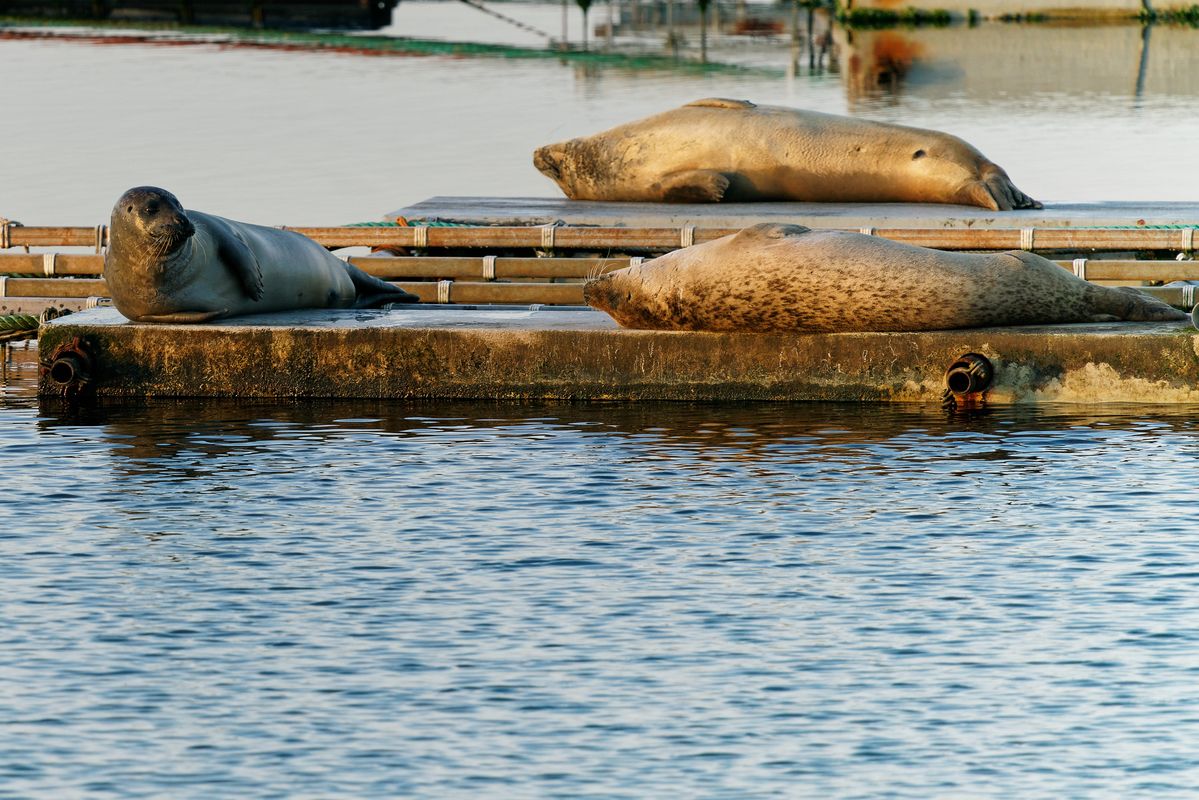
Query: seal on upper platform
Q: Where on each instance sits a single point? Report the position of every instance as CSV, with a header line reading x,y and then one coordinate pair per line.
x,y
733,150
165,264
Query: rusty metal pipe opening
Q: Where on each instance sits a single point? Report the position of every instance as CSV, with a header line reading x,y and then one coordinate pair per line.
x,y
970,374
67,370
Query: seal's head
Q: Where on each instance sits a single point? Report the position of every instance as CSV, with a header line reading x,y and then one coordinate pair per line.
x,y
550,161
151,220
580,167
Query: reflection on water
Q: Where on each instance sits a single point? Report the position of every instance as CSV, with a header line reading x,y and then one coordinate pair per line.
x,y
384,599
1005,65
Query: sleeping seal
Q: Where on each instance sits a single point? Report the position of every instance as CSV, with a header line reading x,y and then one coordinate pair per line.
x,y
774,277
165,264
717,149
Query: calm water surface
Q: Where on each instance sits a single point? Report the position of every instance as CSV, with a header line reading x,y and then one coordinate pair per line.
x,y
657,600
300,138
660,600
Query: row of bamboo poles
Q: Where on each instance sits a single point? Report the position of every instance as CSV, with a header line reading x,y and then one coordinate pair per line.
x,y
654,239
33,282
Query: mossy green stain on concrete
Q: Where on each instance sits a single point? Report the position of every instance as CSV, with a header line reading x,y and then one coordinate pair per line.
x,y
457,353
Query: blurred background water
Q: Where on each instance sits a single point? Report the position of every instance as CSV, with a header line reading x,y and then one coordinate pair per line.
x,y
278,599
304,138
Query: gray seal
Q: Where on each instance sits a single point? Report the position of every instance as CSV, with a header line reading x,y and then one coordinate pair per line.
x,y
733,150
165,264
773,277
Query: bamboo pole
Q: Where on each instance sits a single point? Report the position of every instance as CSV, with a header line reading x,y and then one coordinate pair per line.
x,y
562,294
53,287
505,268
51,264
501,268
36,305
587,238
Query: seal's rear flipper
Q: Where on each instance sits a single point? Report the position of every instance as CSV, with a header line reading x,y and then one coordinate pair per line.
x,y
373,292
1146,308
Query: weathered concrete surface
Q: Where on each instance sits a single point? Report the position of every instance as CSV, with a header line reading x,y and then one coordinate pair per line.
x,y
572,353
541,210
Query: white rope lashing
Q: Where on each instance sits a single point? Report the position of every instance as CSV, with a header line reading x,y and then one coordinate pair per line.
x,y
1026,238
1188,239
636,261
1080,268
101,237
488,268
866,231
687,236
547,235
420,236
1188,294
49,263
443,291
3,286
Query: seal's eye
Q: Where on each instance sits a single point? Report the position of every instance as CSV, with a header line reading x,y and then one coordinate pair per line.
x,y
152,209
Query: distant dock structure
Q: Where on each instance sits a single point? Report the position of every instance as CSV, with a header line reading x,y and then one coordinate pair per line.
x,y
343,15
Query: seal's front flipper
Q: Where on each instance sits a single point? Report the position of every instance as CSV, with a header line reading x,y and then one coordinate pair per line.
x,y
995,190
373,292
184,317
693,186
237,256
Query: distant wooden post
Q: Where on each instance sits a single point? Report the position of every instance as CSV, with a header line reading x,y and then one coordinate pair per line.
x,y
586,6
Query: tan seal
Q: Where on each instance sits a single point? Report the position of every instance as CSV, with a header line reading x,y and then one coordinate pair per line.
x,y
165,264
774,277
733,150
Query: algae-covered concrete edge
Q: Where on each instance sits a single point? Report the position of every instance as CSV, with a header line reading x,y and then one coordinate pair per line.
x,y
578,354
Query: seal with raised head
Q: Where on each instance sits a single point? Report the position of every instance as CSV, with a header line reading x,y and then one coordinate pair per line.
x,y
165,264
733,150
773,277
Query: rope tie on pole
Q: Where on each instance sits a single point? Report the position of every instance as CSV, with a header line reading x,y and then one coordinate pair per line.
x,y
1188,239
687,236
866,231
3,286
443,291
488,268
1188,294
547,235
49,263
101,237
420,237
636,261
6,226
1026,238
1080,268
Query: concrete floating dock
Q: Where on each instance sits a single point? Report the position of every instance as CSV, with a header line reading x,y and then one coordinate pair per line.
x,y
496,352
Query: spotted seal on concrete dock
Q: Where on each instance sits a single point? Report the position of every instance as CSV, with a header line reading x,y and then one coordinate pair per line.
x,y
774,277
165,264
734,150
